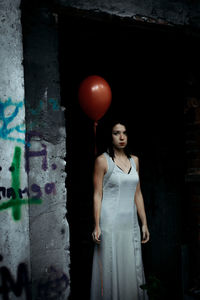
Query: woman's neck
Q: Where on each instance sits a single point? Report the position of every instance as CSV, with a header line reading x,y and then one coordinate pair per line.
x,y
119,152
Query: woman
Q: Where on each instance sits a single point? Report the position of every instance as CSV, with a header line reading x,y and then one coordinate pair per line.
x,y
117,271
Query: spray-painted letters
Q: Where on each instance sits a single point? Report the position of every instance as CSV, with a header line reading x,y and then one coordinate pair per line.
x,y
31,154
54,103
9,127
16,202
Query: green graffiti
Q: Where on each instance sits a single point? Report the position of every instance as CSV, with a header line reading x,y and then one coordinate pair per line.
x,y
16,203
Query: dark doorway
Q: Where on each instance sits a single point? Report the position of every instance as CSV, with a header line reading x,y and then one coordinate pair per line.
x,y
143,65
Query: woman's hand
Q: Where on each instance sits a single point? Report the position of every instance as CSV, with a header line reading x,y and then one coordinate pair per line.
x,y
96,235
145,234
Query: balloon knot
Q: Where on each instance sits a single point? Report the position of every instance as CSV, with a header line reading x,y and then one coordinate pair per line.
x,y
95,123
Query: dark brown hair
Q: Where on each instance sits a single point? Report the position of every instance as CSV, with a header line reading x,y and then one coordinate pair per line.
x,y
110,149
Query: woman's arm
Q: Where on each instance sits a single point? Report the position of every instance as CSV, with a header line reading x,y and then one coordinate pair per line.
x,y
100,169
140,206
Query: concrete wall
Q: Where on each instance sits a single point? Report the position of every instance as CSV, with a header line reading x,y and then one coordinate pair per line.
x,y
14,218
173,12
34,239
45,159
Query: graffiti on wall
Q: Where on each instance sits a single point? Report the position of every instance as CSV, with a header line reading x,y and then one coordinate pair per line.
x,y
35,113
51,288
40,107
41,153
16,202
35,190
54,286
10,128
8,284
15,192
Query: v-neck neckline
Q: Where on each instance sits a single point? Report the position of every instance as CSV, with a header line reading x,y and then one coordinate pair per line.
x,y
123,170
129,171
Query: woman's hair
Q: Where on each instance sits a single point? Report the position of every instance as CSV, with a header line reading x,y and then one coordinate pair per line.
x,y
110,149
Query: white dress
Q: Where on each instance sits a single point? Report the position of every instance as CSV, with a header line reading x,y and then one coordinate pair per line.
x,y
117,270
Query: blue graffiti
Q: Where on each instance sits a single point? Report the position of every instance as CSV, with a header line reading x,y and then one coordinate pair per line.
x,y
4,130
54,103
36,111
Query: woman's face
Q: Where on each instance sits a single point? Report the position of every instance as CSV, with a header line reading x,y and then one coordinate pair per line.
x,y
119,136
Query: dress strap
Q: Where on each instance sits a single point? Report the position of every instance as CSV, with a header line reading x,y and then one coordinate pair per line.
x,y
110,168
133,163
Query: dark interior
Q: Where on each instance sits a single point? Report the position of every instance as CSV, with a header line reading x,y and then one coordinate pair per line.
x,y
145,67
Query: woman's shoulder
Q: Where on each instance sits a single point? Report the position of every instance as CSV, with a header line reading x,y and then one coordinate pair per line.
x,y
101,159
101,156
101,162
136,159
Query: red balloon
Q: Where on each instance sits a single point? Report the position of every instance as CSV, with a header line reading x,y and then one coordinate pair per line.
x,y
94,96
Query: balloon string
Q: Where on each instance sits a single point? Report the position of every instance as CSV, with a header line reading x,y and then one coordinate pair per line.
x,y
95,132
